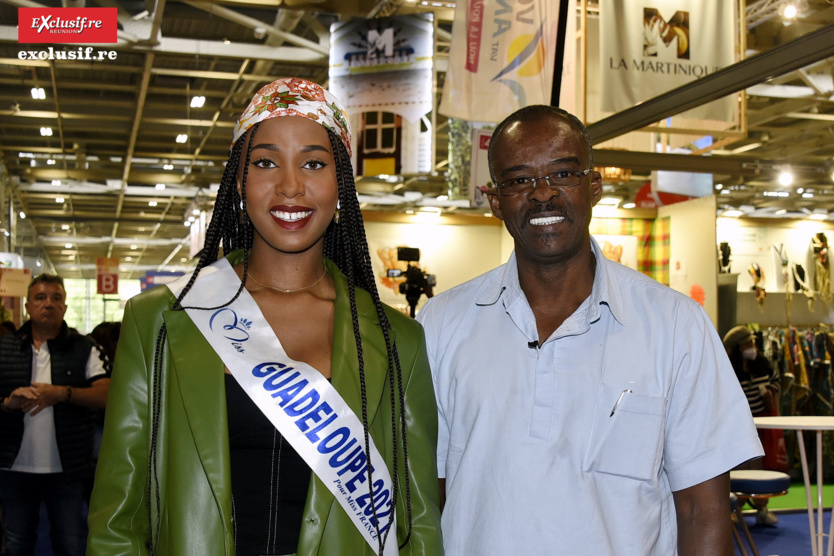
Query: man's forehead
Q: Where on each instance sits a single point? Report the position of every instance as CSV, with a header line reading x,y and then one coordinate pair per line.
x,y
48,288
557,131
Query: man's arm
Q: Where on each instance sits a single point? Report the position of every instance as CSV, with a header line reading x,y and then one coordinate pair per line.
x,y
703,515
46,395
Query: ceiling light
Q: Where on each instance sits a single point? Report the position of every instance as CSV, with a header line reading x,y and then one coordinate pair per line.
x,y
151,203
51,162
808,195
22,215
68,245
785,178
733,213
25,155
59,199
197,101
800,190
186,223
191,219
780,211
196,212
56,182
65,227
789,11
160,187
167,166
181,138
629,206
128,259
134,247
442,197
38,93
719,186
775,193
46,132
818,216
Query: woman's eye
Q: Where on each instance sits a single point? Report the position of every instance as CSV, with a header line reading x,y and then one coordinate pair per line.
x,y
264,163
314,164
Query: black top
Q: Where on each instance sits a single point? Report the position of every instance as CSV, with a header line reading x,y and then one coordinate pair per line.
x,y
269,480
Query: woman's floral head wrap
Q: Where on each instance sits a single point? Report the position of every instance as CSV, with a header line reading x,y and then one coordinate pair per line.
x,y
293,96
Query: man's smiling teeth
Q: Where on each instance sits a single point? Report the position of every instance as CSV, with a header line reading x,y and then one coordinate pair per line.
x,y
546,221
291,216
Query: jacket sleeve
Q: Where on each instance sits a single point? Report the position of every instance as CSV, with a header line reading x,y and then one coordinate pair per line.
x,y
421,425
118,516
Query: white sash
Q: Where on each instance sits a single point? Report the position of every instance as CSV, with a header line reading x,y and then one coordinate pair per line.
x,y
295,397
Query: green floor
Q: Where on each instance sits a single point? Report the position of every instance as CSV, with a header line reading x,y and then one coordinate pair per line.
x,y
795,498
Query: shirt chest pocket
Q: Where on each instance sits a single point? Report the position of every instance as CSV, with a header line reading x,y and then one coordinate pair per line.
x,y
629,442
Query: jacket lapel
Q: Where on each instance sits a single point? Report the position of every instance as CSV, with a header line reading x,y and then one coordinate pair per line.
x,y
345,379
199,375
345,364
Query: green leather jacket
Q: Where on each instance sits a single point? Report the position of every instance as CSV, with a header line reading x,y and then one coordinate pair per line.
x,y
193,469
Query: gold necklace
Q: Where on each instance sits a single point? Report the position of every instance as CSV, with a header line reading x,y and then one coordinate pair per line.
x,y
288,291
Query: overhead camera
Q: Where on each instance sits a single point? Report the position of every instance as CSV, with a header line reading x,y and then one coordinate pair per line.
x,y
417,282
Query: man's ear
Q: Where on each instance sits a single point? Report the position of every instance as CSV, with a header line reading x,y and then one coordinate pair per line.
x,y
494,203
596,187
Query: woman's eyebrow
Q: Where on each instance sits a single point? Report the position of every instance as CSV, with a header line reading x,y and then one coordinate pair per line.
x,y
276,148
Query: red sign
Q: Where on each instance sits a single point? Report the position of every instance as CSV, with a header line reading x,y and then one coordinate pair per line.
x,y
474,32
66,25
646,198
107,275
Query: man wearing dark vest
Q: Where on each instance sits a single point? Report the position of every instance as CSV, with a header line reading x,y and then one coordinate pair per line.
x,y
51,380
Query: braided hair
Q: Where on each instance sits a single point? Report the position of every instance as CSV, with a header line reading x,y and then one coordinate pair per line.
x,y
346,245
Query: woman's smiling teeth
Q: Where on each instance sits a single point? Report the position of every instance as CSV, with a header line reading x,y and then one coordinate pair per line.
x,y
291,216
546,221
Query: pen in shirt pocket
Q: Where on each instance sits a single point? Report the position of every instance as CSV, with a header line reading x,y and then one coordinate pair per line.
x,y
623,393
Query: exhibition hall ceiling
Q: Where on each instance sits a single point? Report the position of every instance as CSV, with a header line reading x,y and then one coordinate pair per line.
x,y
112,180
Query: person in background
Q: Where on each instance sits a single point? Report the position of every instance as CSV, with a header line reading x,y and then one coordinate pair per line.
x,y
106,335
583,407
760,383
269,403
7,326
51,381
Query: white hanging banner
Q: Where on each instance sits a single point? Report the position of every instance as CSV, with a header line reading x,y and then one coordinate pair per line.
x,y
383,64
649,48
297,399
501,58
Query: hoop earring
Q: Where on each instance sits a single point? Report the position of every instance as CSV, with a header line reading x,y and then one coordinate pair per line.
x,y
337,216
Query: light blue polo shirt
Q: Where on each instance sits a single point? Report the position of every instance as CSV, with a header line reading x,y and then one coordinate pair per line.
x,y
535,463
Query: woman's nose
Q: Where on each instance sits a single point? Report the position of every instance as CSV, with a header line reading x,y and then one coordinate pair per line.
x,y
290,184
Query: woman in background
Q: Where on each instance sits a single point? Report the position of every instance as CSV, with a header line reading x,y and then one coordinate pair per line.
x,y
191,461
761,386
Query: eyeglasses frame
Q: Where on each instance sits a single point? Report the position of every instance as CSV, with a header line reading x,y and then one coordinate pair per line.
x,y
579,174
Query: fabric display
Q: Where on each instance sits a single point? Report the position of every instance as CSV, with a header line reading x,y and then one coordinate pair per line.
x,y
802,357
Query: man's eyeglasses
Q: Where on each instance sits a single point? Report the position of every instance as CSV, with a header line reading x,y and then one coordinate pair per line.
x,y
558,179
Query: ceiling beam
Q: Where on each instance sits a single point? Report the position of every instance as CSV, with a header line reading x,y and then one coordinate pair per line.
x,y
790,56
